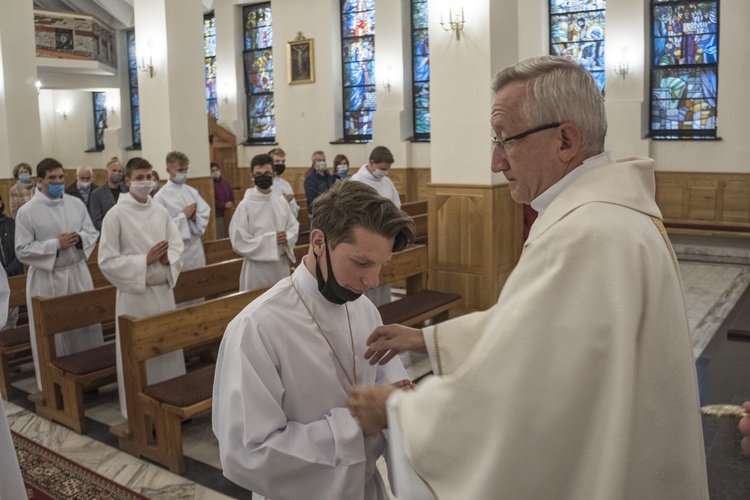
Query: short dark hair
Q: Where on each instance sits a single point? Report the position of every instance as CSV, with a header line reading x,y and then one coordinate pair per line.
x,y
349,204
45,166
136,164
214,164
19,167
260,160
381,154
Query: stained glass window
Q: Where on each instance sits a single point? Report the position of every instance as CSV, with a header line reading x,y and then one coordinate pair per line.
x,y
576,31
358,64
684,69
420,49
100,118
135,115
209,48
258,58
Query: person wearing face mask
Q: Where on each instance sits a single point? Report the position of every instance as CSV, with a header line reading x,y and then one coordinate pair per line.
x,y
54,237
23,190
188,210
319,182
223,198
289,359
280,186
341,167
375,173
140,254
10,262
83,186
104,197
263,230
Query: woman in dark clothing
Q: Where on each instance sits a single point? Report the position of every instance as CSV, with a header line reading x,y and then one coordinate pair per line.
x,y
8,257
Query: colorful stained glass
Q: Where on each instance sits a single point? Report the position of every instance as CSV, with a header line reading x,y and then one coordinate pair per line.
x,y
209,49
577,31
684,69
258,62
100,118
135,117
420,40
358,65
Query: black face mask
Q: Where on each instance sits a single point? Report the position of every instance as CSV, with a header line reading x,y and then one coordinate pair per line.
x,y
279,168
263,182
331,290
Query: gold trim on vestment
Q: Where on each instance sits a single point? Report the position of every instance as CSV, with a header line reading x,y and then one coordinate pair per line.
x,y
437,350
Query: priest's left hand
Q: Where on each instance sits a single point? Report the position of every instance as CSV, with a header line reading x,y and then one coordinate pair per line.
x,y
367,405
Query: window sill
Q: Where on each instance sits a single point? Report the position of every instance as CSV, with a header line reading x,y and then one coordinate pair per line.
x,y
94,150
667,137
260,143
134,147
351,141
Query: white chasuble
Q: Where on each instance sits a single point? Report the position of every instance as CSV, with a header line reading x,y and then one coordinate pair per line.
x,y
129,230
253,235
55,271
280,392
582,382
175,197
282,188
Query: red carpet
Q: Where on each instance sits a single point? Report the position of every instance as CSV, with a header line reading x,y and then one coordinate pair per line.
x,y
48,475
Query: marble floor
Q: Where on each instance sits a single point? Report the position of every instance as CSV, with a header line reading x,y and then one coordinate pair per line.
x,y
711,290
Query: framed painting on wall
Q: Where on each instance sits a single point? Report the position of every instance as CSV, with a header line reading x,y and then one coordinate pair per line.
x,y
300,60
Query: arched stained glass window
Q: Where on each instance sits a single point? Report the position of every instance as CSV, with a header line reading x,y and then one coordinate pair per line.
x,y
135,104
684,69
100,119
420,48
258,58
358,61
209,48
576,31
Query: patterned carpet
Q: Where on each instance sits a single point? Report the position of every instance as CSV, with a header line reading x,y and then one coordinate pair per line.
x,y
48,475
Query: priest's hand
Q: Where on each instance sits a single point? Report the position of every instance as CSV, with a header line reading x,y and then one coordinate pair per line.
x,y
388,340
367,404
157,252
289,197
281,237
68,239
744,428
190,210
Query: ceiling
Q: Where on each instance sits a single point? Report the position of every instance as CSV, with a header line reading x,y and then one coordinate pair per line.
x,y
117,14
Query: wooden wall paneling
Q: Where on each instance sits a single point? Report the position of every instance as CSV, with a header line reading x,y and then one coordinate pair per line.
x,y
703,200
670,197
736,201
416,183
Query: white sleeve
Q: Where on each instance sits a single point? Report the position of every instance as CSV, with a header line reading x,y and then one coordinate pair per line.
x,y
261,247
29,250
126,272
202,214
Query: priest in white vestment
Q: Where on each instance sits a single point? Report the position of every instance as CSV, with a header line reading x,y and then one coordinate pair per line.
x,y
54,237
140,254
288,361
188,210
263,230
580,382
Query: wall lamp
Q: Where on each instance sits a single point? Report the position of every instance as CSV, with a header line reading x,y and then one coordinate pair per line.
x,y
386,82
454,23
62,112
622,67
38,86
148,68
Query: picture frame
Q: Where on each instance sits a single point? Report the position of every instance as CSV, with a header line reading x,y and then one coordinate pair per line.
x,y
300,60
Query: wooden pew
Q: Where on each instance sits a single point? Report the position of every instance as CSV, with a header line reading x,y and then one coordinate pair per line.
x,y
219,250
14,343
65,378
155,412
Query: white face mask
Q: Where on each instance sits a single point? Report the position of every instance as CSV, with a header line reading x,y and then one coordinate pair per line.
x,y
379,174
141,189
180,178
342,169
216,174
84,185
320,166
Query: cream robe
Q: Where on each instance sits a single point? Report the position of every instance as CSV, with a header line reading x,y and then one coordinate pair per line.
x,y
54,272
282,188
129,230
580,381
279,396
253,235
175,197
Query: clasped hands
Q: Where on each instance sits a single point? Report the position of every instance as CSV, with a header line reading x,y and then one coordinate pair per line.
x,y
368,403
68,240
158,252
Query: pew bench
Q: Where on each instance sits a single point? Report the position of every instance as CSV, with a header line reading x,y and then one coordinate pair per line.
x,y
15,343
155,412
738,230
65,378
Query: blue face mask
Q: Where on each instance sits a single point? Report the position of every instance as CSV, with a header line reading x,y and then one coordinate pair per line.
x,y
180,178
25,178
55,189
156,185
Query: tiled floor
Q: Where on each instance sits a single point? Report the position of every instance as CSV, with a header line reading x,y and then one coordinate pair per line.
x,y
711,290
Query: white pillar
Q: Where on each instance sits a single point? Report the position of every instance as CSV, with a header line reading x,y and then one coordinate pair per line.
x,y
169,34
20,126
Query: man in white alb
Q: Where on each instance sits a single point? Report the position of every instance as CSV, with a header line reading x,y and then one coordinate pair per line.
x,y
280,186
188,210
263,230
580,381
140,254
54,237
289,359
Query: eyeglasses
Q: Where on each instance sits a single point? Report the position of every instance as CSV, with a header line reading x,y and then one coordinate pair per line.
x,y
501,143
